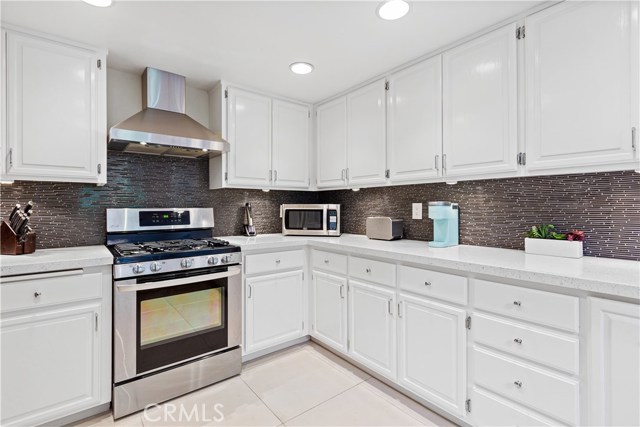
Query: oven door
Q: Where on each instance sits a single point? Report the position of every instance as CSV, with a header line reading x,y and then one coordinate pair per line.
x,y
304,221
167,319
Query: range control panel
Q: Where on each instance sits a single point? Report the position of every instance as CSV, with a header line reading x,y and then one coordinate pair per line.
x,y
155,218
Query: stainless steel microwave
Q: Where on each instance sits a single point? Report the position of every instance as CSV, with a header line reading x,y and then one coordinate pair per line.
x,y
311,220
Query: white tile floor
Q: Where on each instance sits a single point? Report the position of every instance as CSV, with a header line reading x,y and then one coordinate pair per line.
x,y
304,385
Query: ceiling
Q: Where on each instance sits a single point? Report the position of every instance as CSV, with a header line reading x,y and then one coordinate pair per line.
x,y
252,43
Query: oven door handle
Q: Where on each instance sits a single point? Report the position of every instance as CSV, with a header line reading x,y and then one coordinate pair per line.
x,y
131,285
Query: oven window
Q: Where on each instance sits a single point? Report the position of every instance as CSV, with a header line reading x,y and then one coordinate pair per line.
x,y
180,322
166,318
303,219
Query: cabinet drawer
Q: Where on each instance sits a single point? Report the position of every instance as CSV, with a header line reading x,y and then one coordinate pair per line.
x,y
488,410
372,271
274,261
547,308
539,345
448,287
328,261
39,290
536,388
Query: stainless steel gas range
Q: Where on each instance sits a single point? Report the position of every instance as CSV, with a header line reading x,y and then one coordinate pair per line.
x,y
177,305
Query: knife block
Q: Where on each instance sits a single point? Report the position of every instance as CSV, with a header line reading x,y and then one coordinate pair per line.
x,y
10,245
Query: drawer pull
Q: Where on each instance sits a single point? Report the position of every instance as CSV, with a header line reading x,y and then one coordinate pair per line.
x,y
518,384
326,261
517,340
277,261
37,294
368,270
518,303
341,291
427,283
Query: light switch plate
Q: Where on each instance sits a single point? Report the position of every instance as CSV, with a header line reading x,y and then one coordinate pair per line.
x,y
417,210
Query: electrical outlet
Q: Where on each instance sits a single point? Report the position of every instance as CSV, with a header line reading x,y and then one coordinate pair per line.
x,y
417,210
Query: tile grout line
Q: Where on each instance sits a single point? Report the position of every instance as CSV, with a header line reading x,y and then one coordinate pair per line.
x,y
260,399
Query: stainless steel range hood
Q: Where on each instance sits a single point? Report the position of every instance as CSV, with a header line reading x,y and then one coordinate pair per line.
x,y
162,127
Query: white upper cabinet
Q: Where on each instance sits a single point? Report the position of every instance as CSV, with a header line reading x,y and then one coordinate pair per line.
x,y
366,139
480,106
581,85
249,133
414,120
290,144
331,126
54,95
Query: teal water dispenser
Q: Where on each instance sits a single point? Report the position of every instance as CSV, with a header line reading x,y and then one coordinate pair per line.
x,y
445,224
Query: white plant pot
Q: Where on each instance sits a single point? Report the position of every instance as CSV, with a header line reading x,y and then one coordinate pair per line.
x,y
552,247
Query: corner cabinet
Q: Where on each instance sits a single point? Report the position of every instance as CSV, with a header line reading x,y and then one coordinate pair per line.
x,y
331,137
290,144
581,68
614,368
480,112
54,101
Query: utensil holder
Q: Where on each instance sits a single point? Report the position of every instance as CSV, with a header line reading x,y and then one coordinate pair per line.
x,y
10,243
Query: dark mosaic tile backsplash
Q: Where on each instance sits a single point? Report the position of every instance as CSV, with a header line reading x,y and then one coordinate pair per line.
x,y
492,212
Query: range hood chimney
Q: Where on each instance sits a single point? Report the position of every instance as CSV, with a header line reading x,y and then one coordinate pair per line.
x,y
162,127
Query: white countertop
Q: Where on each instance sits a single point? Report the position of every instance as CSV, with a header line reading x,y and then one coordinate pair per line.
x,y
43,260
599,275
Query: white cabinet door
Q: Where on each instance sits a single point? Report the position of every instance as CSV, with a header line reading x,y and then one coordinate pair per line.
x,y
331,126
55,111
581,84
290,144
414,117
480,106
249,133
51,364
372,327
330,310
274,309
432,351
614,368
366,139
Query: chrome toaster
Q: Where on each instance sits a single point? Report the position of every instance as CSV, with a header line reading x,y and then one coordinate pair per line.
x,y
384,228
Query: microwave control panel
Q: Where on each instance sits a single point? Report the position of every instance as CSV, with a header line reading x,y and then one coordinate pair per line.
x,y
332,219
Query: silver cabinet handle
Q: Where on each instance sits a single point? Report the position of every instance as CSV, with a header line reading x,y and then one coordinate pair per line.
x,y
37,294
444,162
427,283
437,158
277,261
250,291
342,174
518,340
10,157
275,175
347,174
389,302
270,175
341,291
368,270
399,309
518,303
633,139
326,261
518,384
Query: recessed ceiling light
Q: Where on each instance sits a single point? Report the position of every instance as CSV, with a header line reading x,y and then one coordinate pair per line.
x,y
205,150
143,143
393,9
99,3
301,67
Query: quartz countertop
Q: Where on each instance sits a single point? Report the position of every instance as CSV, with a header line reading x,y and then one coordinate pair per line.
x,y
43,260
606,276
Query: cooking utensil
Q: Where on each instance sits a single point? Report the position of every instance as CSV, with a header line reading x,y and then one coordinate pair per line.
x,y
13,212
28,207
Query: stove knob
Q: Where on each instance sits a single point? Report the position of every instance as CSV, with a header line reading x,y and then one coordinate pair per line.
x,y
212,260
186,263
138,268
155,267
226,259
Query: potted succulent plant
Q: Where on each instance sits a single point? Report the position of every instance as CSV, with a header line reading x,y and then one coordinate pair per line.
x,y
544,240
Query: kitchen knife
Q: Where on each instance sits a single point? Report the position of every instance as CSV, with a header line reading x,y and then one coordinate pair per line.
x,y
13,212
22,228
17,218
28,207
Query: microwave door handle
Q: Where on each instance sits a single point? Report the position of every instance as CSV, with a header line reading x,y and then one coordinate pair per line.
x,y
131,285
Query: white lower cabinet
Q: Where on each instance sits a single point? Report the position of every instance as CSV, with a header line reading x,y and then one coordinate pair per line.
x,y
274,310
56,345
614,373
329,321
372,327
490,410
432,351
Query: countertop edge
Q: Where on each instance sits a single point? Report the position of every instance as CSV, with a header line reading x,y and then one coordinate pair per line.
x,y
47,260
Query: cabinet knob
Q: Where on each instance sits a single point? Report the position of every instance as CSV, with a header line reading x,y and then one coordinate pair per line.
x,y
518,303
277,261
518,384
517,341
326,261
427,283
368,270
37,294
